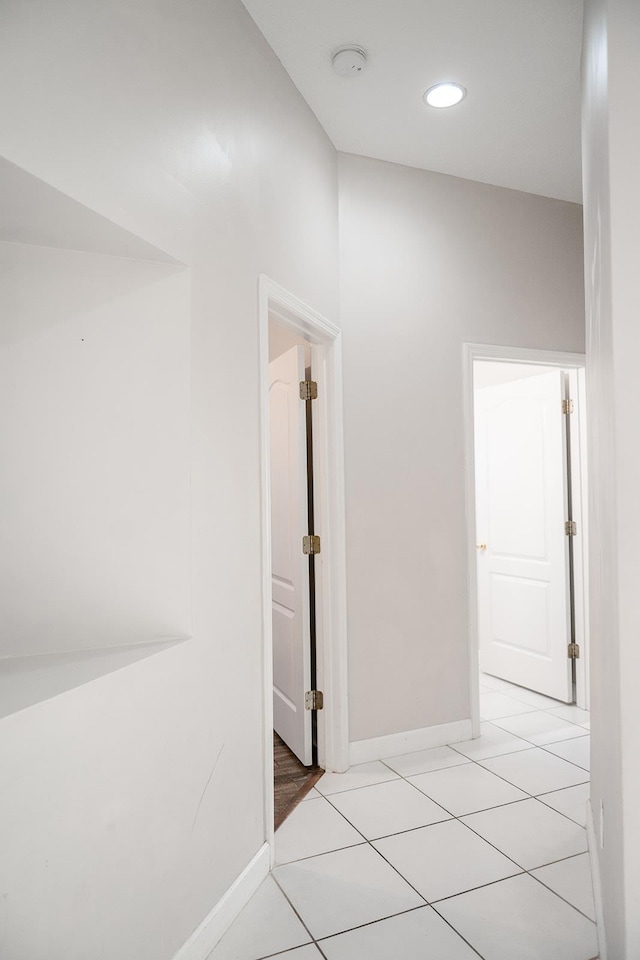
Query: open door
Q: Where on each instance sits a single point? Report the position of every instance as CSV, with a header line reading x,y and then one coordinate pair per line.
x,y
524,597
290,568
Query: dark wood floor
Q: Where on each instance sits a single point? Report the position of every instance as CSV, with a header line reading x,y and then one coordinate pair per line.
x,y
291,781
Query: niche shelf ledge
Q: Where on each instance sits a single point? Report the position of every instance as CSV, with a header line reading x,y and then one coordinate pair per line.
x,y
26,681
33,212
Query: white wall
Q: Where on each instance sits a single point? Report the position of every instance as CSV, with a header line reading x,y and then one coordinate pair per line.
x,y
611,158
427,263
94,419
128,805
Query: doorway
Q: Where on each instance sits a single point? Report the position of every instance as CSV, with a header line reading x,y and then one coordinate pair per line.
x,y
528,539
292,393
303,542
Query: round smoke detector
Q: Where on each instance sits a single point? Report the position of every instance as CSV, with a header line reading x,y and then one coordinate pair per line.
x,y
349,61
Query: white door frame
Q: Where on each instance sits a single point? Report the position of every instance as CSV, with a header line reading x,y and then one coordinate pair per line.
x,y
545,358
331,598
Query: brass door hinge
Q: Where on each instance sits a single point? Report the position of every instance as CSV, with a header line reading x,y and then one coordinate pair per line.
x,y
310,545
573,651
571,528
308,390
313,700
567,406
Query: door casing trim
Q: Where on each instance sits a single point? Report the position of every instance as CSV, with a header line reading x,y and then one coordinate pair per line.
x,y
547,358
329,499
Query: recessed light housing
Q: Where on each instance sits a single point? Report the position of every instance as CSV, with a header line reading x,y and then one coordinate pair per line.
x,y
445,94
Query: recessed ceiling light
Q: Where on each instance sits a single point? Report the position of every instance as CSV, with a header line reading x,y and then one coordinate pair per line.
x,y
349,61
445,94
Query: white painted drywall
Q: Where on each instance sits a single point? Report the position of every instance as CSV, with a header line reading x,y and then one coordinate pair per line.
x,y
34,212
94,419
130,804
427,263
611,155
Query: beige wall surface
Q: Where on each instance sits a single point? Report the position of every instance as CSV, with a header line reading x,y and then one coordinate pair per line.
x,y
130,804
429,262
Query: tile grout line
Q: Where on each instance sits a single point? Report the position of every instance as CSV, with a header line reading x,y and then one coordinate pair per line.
x,y
369,844
522,870
496,722
396,870
547,710
285,895
525,873
530,796
427,903
533,747
371,923
581,912
539,746
507,753
450,816
549,743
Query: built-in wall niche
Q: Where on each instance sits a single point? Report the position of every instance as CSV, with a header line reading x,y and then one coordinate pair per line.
x,y
94,426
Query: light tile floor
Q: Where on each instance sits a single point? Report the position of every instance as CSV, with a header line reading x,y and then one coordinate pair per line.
x,y
473,850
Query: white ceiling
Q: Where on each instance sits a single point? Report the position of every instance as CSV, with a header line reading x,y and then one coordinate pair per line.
x,y
519,125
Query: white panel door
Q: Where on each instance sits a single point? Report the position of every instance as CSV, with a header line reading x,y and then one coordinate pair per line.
x,y
290,568
522,550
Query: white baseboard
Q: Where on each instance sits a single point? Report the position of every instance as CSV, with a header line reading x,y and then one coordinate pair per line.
x,y
594,859
362,751
215,925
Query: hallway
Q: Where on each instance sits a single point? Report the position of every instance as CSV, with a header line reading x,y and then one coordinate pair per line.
x,y
489,833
